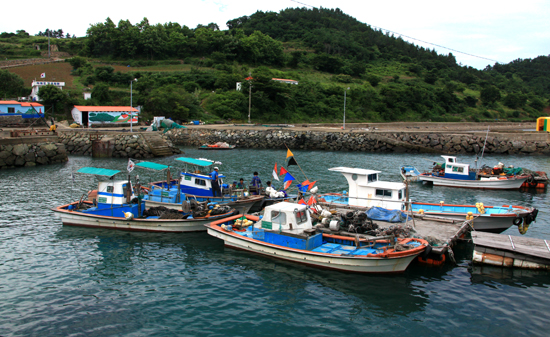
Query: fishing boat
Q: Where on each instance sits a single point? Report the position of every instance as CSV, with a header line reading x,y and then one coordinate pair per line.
x,y
365,190
172,197
454,174
409,173
286,232
115,206
217,146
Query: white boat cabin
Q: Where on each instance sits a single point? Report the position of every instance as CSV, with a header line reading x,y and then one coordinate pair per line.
x,y
367,191
114,192
285,217
455,170
196,179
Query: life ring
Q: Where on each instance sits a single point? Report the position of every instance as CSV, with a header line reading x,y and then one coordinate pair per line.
x,y
518,221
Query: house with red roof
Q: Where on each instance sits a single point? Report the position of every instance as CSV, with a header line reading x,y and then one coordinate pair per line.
x,y
22,109
90,115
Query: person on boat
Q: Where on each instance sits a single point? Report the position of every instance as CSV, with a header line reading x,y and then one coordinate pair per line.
x,y
240,184
256,183
216,191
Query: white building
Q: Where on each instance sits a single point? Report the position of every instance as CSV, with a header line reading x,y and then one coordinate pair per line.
x,y
36,88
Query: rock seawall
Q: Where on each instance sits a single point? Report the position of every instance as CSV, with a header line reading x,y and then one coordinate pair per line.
x,y
125,145
31,154
361,141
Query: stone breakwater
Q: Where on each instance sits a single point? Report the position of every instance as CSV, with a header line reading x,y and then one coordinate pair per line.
x,y
125,145
31,154
398,142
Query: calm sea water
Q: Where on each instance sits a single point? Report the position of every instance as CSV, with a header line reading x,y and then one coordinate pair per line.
x,y
68,281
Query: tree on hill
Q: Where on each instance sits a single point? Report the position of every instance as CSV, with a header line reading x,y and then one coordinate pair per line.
x,y
11,85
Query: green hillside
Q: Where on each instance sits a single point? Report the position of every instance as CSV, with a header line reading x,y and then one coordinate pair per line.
x,y
187,73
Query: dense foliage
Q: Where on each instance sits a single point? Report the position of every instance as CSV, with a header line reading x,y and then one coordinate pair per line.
x,y
326,50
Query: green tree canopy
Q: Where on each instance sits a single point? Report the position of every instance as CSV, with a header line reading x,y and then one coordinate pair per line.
x,y
171,101
11,85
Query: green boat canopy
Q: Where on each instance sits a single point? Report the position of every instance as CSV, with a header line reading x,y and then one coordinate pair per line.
x,y
98,171
194,161
152,166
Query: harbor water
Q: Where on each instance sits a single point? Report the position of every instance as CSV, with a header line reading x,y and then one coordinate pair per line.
x,y
58,280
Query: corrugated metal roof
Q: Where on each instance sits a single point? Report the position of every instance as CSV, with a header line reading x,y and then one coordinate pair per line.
x,y
195,161
98,171
152,166
106,108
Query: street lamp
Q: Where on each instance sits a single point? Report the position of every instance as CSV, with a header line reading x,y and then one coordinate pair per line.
x,y
131,105
345,91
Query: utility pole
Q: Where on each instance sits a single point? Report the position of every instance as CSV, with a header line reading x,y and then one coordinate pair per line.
x,y
131,105
249,96
49,33
345,91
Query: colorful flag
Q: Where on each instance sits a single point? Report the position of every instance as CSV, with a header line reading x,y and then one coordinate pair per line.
x,y
275,176
290,158
288,180
302,202
311,185
283,171
130,165
302,188
43,75
311,201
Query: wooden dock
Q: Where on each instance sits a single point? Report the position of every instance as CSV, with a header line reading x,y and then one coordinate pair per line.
x,y
511,251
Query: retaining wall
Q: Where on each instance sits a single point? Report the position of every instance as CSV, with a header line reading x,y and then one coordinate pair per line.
x,y
31,154
444,143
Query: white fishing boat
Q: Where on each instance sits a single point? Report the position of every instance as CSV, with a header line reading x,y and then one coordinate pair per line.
x,y
285,232
365,190
454,174
116,207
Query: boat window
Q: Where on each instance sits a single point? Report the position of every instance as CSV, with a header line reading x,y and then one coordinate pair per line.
x,y
200,182
400,194
110,189
301,216
458,169
373,177
278,217
383,193
451,160
354,177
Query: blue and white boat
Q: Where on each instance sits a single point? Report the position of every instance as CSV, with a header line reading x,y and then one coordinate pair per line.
x,y
115,206
195,185
409,173
365,190
286,232
455,174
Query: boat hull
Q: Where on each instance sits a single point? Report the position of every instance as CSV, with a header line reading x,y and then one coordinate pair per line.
x,y
357,264
505,184
75,218
243,206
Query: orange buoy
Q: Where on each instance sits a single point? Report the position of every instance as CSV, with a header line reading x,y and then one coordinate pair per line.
x,y
432,262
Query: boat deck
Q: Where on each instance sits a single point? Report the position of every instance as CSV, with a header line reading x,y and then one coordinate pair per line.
x,y
511,251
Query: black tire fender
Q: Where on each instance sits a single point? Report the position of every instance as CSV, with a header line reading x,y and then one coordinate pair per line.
x,y
518,221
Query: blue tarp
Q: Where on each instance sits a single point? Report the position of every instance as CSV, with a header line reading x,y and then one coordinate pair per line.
x,y
389,215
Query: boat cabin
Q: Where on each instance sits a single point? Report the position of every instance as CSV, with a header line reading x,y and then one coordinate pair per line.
x,y
366,190
285,217
454,170
195,179
114,192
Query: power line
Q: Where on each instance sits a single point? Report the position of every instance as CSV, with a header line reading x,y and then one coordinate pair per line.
x,y
412,38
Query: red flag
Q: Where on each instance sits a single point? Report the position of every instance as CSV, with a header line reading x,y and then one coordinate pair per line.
x,y
311,185
306,182
302,202
311,201
283,171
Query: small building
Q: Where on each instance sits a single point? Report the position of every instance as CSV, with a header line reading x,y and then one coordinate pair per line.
x,y
22,109
543,124
36,85
90,115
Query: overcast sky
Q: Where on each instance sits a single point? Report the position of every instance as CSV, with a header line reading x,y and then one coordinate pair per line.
x,y
500,31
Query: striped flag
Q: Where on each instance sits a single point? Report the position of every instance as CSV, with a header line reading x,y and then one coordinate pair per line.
x,y
275,176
